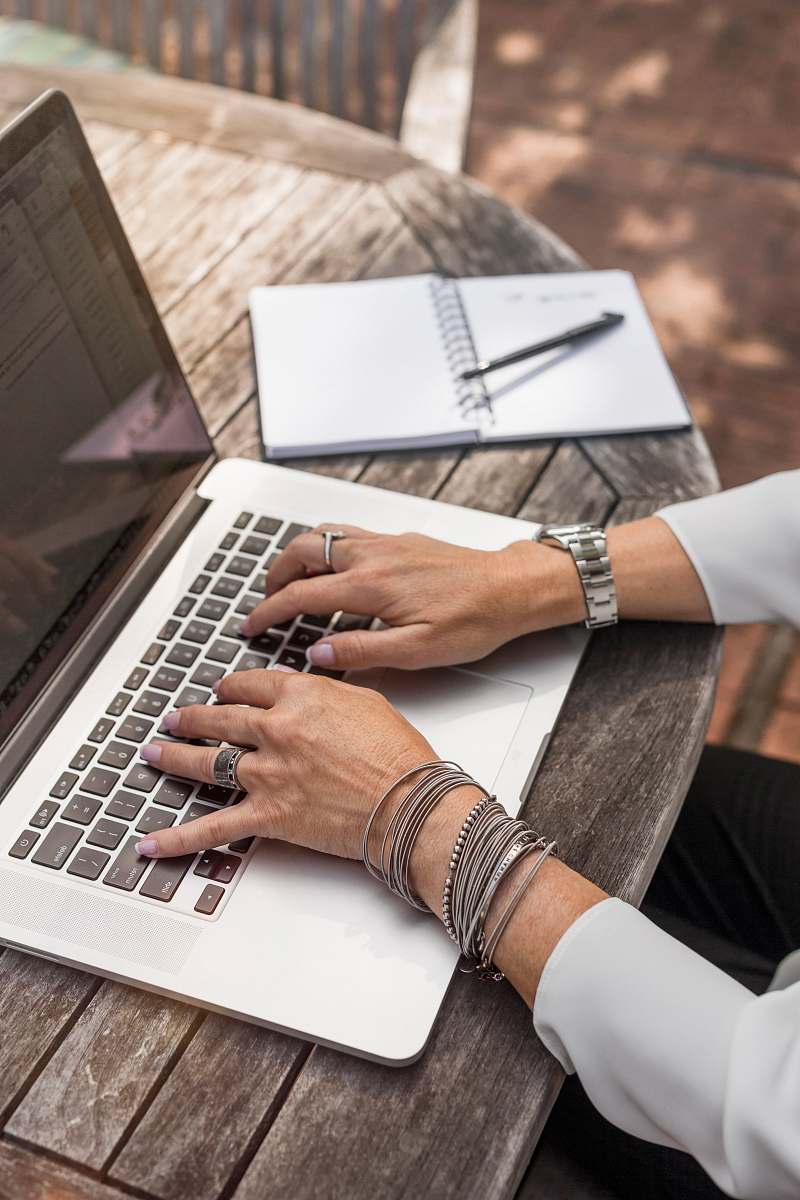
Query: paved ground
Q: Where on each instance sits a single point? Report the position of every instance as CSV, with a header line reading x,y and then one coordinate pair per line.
x,y
661,136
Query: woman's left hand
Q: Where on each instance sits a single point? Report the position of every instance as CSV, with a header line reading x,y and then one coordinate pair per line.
x,y
323,752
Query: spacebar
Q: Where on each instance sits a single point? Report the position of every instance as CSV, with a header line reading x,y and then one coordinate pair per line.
x,y
162,882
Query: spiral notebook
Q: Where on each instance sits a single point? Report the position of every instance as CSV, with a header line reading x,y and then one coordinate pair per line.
x,y
377,364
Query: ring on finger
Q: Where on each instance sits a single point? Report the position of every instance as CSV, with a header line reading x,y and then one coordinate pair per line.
x,y
329,537
226,767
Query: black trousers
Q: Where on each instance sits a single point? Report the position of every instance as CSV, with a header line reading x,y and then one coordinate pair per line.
x,y
727,887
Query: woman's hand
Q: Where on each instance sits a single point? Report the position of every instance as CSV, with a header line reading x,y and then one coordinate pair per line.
x,y
323,753
441,603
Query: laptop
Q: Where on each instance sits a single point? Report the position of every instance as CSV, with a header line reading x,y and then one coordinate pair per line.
x,y
128,559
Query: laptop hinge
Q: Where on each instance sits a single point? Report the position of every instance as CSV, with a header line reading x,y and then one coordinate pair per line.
x,y
67,678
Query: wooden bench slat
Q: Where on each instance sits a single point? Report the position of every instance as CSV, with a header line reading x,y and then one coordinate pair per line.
x,y
677,466
102,1073
229,1078
25,1175
588,497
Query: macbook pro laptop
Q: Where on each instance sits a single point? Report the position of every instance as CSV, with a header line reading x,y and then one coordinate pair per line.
x,y
128,559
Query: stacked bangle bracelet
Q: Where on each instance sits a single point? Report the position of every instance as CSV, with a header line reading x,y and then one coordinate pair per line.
x,y
489,846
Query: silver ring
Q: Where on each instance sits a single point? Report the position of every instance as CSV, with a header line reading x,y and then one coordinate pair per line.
x,y
329,537
226,767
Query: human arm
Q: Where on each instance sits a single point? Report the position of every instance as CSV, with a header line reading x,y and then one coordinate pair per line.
x,y
729,557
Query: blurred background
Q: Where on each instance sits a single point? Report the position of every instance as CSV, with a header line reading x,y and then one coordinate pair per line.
x,y
654,135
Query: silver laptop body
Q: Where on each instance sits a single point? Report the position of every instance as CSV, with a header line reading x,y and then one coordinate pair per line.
x,y
137,555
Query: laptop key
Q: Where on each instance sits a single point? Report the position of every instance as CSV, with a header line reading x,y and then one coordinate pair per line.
x,y
185,606
143,778
221,651
136,678
82,809
81,759
215,865
182,655
44,814
215,562
88,863
322,622
254,545
242,846
200,584
209,899
213,610
117,754
291,533
207,674
174,792
152,654
301,637
153,819
168,630
191,695
227,586
127,868
248,603
162,882
99,782
295,659
118,705
232,627
270,560
101,730
259,584
266,643
24,844
228,542
63,785
243,520
194,811
152,704
198,631
125,804
352,621
238,565
107,834
268,525
57,846
251,662
215,793
167,679
134,729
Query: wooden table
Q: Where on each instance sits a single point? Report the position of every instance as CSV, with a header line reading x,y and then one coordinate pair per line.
x,y
106,1091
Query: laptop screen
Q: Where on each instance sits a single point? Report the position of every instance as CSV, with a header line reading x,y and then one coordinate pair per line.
x,y
98,431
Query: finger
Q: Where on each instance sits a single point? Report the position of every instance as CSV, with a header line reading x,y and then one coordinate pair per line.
x,y
368,648
190,762
218,828
259,688
322,594
223,722
306,553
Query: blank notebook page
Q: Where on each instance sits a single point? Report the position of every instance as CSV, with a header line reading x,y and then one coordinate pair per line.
x,y
617,380
352,365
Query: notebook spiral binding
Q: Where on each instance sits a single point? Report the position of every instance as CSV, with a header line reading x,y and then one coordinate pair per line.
x,y
458,345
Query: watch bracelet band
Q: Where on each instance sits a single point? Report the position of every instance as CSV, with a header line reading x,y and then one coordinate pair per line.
x,y
589,550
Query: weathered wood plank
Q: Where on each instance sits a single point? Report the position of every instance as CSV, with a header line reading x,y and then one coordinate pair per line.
x,y
107,1066
569,490
264,256
232,1078
674,465
25,1175
39,1001
496,477
108,142
216,117
148,162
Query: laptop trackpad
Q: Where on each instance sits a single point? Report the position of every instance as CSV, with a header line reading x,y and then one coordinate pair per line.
x,y
466,717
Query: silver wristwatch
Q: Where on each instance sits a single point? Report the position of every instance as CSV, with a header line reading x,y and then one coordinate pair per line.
x,y
587,545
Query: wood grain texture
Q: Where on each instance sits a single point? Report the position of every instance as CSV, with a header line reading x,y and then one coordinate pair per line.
x,y
39,1002
25,1175
107,1066
231,1078
569,490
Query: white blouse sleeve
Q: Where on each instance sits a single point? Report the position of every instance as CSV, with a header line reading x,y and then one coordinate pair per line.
x,y
672,1050
745,546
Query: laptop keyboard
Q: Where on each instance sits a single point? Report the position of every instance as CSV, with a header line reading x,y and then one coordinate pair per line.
x,y
106,798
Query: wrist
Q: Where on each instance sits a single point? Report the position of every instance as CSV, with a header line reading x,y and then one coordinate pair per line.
x,y
543,588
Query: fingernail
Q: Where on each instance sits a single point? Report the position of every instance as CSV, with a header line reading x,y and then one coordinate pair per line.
x,y
172,720
215,686
151,753
321,654
281,667
148,846
247,627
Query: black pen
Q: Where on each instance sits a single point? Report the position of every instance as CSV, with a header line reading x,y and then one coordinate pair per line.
x,y
607,321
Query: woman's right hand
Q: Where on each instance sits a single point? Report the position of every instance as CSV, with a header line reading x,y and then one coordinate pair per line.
x,y
439,603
